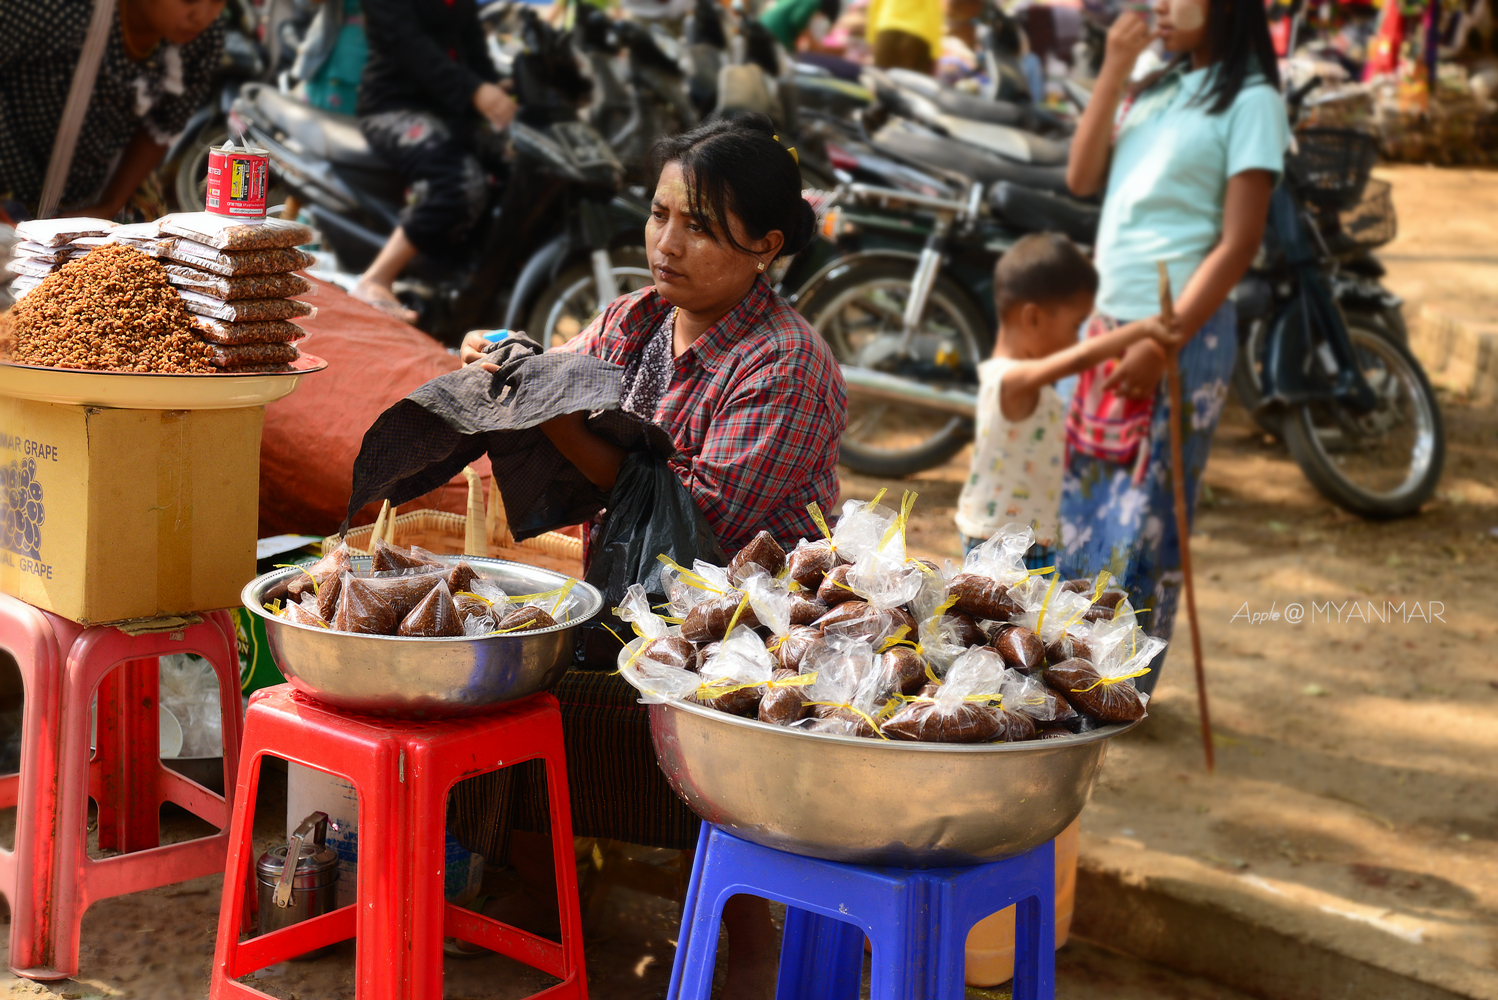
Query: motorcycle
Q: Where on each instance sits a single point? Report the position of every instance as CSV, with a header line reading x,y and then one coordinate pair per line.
x,y
555,225
1323,358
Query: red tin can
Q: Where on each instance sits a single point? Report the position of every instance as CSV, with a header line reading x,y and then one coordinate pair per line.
x,y
237,181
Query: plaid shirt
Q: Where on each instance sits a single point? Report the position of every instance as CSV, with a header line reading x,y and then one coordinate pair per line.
x,y
756,407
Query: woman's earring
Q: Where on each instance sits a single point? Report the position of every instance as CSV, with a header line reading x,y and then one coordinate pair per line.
x,y
761,265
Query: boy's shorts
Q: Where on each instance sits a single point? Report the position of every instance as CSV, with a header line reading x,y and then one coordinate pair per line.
x,y
1036,556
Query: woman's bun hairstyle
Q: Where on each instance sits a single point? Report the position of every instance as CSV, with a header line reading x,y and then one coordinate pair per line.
x,y
738,166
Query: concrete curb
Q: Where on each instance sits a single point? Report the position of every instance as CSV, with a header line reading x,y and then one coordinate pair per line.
x,y
1458,355
1273,940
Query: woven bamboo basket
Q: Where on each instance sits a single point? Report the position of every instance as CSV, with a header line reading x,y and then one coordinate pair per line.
x,y
484,532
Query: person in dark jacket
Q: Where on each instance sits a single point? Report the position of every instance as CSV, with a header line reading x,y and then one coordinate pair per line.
x,y
426,86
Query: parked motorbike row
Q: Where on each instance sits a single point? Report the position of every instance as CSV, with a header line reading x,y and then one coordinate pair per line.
x,y
921,188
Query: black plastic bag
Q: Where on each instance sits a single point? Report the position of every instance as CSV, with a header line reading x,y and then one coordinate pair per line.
x,y
650,513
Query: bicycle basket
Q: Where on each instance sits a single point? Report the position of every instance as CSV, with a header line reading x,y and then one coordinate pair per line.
x,y
1371,222
1330,166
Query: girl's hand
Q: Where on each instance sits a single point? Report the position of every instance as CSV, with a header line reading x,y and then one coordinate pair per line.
x,y
1138,375
1166,334
1129,36
494,104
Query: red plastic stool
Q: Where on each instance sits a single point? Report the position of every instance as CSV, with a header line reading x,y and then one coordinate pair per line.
x,y
403,771
49,879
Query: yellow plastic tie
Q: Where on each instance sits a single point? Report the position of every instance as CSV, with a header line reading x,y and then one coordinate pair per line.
x,y
898,639
743,603
1104,681
566,589
696,580
1046,602
816,515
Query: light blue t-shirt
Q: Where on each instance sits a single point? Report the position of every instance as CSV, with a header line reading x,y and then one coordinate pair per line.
x,y
1169,175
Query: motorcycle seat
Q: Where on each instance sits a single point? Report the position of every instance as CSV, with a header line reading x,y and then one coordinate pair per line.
x,y
958,104
1040,211
1007,141
322,134
906,141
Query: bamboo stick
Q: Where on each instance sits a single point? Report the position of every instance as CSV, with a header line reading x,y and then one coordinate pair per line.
x,y
1183,528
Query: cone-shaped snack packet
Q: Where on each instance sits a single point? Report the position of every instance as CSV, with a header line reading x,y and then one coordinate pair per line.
x,y
845,697
1021,649
436,615
784,699
807,608
835,589
860,620
326,599
1105,690
733,676
462,577
959,711
809,562
333,564
708,620
904,669
387,556
526,619
404,589
964,630
364,608
656,682
762,551
299,614
794,646
982,597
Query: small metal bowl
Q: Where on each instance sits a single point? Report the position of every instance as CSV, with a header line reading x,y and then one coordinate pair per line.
x,y
421,678
875,802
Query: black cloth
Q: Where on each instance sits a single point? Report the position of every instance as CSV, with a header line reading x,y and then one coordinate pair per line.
x,y
424,55
40,42
448,185
426,439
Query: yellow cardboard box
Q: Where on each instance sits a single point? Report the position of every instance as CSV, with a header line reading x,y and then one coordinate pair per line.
x,y
113,514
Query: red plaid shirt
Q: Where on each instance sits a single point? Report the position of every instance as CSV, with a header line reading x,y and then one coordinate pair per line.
x,y
756,407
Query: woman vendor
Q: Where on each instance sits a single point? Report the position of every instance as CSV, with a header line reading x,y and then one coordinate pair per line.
x,y
1188,157
756,405
156,72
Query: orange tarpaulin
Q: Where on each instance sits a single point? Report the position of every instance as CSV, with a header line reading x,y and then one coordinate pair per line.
x,y
312,436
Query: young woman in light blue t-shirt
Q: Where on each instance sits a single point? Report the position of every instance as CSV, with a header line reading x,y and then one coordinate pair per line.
x,y
1188,158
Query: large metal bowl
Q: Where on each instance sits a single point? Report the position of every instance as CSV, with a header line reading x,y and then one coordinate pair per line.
x,y
874,802
425,678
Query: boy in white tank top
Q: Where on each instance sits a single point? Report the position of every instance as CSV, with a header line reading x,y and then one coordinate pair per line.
x,y
1043,288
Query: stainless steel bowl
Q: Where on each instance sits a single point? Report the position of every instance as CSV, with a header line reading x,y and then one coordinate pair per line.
x,y
873,802
425,678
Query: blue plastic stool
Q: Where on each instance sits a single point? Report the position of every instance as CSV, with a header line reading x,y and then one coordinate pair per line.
x,y
918,921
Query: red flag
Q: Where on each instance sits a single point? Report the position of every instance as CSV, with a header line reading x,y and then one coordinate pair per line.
x,y
1383,48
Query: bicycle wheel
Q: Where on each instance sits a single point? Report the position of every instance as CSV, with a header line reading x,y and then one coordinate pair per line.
x,y
1382,464
571,302
860,314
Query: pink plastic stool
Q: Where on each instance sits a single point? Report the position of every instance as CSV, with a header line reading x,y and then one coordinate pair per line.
x,y
49,878
403,771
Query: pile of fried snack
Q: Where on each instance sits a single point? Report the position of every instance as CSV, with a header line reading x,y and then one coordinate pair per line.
x,y
845,635
410,592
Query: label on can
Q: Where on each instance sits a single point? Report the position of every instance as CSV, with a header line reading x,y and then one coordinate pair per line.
x,y
237,182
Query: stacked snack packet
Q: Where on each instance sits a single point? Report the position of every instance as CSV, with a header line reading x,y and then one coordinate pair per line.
x,y
235,276
47,244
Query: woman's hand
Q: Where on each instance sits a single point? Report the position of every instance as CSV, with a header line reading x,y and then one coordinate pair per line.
x,y
1138,374
494,104
474,347
1129,36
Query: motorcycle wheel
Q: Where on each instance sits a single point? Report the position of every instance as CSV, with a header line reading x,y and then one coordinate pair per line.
x,y
191,184
1380,465
570,303
859,312
1247,383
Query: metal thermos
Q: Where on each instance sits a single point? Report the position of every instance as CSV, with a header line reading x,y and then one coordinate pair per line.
x,y
290,894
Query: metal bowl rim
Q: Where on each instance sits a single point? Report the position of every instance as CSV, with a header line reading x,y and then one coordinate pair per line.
x,y
250,595
887,746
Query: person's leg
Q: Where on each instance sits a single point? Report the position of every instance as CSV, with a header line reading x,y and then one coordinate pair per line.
x,y
753,952
895,49
448,189
375,284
